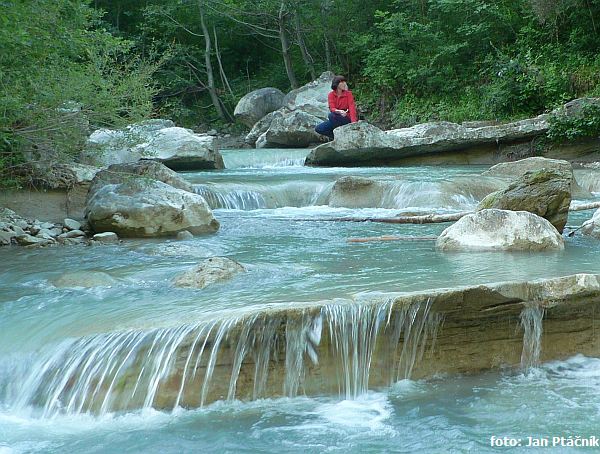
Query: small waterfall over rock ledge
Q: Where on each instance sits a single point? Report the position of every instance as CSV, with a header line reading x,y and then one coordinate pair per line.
x,y
343,346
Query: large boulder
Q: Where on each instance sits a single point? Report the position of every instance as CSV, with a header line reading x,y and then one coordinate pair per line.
x,y
297,129
210,271
312,97
119,173
141,207
516,169
293,124
177,148
546,193
591,227
500,230
258,103
181,149
262,126
362,143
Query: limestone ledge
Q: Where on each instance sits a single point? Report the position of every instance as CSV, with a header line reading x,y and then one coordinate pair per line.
x,y
347,345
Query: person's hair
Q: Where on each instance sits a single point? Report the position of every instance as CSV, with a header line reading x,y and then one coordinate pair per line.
x,y
336,81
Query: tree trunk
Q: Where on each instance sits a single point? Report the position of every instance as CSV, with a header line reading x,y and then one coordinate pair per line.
x,y
327,52
308,60
209,70
285,46
224,78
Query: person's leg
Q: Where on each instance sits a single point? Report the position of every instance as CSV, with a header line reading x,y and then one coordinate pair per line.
x,y
337,121
326,128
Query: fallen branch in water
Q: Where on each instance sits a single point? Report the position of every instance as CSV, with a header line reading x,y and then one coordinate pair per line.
x,y
392,238
424,219
585,206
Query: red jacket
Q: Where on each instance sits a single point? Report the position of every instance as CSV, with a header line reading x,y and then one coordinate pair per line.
x,y
343,102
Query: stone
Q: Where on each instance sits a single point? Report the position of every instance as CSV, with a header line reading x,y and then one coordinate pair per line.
x,y
86,279
17,229
72,241
258,103
45,235
48,232
516,169
546,193
312,97
72,234
120,173
34,229
181,149
356,192
106,237
28,240
261,127
55,231
46,225
293,124
465,330
297,129
72,224
362,142
6,237
591,227
48,174
184,235
210,271
178,148
140,207
500,230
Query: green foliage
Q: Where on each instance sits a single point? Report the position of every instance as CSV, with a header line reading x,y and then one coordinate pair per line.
x,y
62,73
67,67
573,127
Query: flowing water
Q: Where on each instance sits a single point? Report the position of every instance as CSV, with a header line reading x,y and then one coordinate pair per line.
x,y
90,368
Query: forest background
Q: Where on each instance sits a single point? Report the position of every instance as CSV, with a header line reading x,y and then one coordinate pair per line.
x,y
71,66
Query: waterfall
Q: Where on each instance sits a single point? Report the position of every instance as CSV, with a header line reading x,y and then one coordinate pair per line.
x,y
531,322
248,356
264,158
260,196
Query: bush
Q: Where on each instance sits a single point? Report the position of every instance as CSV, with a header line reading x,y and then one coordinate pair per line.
x,y
573,127
62,74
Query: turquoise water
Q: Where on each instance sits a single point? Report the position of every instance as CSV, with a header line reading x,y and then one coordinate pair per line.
x,y
277,221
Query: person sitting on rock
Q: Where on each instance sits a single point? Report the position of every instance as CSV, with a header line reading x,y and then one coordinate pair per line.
x,y
341,106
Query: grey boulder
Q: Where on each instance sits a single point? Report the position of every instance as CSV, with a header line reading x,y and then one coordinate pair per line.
x,y
258,103
148,208
500,230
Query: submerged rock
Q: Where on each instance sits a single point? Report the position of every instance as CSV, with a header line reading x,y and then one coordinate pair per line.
x,y
500,230
258,103
356,192
212,270
85,279
545,192
184,235
141,207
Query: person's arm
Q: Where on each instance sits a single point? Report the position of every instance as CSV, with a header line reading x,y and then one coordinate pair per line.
x,y
352,108
332,100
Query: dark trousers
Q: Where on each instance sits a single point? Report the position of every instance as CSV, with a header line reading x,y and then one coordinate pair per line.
x,y
334,120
